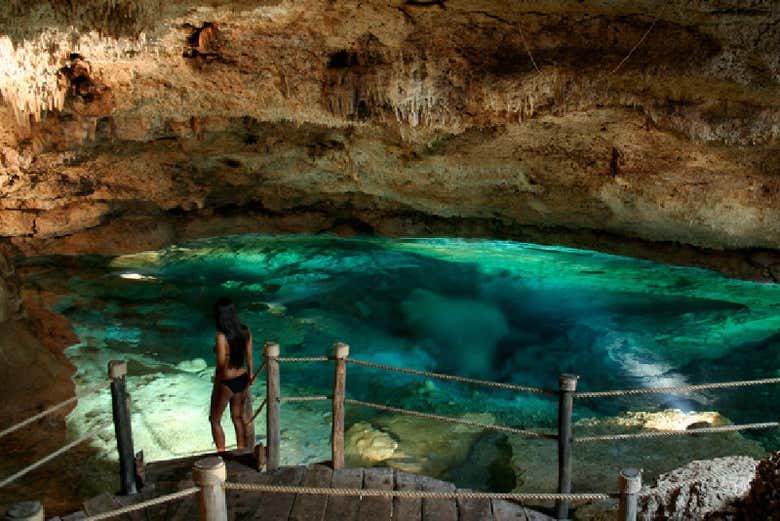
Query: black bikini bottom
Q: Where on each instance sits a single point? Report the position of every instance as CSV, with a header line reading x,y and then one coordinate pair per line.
x,y
238,383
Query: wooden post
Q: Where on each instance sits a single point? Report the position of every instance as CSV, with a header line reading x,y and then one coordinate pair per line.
x,y
630,483
341,351
117,369
210,474
259,456
568,384
271,354
25,511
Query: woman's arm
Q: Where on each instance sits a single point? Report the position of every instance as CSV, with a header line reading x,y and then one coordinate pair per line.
x,y
249,361
221,350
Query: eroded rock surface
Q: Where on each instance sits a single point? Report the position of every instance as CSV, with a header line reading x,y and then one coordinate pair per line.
x,y
698,489
578,123
762,501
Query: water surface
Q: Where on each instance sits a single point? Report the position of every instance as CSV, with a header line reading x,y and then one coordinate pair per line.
x,y
497,310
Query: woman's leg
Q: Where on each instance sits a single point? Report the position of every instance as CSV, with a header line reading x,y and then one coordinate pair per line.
x,y
220,396
237,415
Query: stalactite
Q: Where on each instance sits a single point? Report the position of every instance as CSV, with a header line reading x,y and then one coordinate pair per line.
x,y
31,82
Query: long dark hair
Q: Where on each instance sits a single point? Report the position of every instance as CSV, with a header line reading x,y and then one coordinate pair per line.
x,y
226,317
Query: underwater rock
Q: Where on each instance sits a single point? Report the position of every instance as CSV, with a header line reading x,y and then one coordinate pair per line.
x,y
670,419
488,465
596,464
412,444
368,446
195,365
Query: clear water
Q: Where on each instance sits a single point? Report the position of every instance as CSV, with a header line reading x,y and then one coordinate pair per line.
x,y
497,310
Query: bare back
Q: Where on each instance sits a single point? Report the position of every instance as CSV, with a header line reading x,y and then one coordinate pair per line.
x,y
224,370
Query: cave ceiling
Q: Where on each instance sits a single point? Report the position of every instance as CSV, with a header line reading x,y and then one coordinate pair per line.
x,y
127,125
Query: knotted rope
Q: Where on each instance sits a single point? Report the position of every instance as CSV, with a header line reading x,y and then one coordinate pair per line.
x,y
303,359
687,432
53,408
250,420
144,504
417,494
678,389
303,398
10,479
447,419
464,379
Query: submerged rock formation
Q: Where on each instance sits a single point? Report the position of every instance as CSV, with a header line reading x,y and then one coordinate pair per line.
x,y
130,124
596,464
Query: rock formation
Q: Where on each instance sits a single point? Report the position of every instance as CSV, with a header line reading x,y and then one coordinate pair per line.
x,y
762,501
34,374
126,125
129,124
698,489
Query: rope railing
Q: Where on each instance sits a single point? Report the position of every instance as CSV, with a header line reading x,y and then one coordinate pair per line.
x,y
564,436
55,407
440,376
303,359
260,370
262,405
686,432
678,388
414,494
304,398
13,477
144,504
448,419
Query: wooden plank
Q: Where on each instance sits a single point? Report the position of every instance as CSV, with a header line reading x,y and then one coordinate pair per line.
x,y
174,470
277,507
308,507
182,509
474,510
186,509
242,505
377,508
407,509
155,512
76,516
102,503
344,508
439,509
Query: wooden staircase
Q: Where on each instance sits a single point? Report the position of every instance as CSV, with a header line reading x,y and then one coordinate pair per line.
x,y
169,476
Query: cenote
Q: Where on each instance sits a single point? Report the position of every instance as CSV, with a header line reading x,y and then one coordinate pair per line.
x,y
496,310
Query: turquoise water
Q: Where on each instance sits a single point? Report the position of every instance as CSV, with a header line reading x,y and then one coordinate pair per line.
x,y
497,310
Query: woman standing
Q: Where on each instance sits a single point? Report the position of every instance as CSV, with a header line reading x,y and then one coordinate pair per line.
x,y
232,379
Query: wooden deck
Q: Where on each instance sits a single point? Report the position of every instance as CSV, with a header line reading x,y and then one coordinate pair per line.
x,y
169,476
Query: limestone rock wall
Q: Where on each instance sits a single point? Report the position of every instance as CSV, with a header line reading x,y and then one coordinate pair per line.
x,y
616,125
10,293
